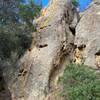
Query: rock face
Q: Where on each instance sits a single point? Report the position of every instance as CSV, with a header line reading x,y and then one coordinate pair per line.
x,y
53,44
37,73
87,36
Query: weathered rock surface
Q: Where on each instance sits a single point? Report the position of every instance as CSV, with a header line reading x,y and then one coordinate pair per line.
x,y
35,77
87,36
53,43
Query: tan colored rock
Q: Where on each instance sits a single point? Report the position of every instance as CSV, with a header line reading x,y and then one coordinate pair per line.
x,y
55,95
88,34
53,44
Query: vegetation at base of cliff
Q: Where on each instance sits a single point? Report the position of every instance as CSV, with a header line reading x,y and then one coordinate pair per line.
x,y
80,83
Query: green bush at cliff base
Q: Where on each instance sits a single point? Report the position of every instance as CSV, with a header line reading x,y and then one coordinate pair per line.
x,y
80,83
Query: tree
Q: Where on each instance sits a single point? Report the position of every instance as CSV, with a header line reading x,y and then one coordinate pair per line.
x,y
75,3
27,12
16,26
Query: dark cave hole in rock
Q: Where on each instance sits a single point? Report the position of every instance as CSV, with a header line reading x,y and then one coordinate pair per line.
x,y
98,53
97,59
4,91
73,30
81,47
42,46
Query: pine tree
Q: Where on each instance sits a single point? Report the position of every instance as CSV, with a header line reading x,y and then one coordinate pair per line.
x,y
16,26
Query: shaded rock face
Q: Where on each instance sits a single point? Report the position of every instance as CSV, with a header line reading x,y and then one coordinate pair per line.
x,y
87,36
53,44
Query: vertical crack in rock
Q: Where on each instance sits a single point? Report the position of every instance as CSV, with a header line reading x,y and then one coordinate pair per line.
x,y
97,59
63,58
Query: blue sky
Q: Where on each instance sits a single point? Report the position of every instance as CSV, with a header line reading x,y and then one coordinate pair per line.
x,y
44,2
82,3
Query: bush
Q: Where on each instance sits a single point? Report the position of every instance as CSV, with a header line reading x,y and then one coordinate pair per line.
x,y
16,26
75,3
80,83
14,40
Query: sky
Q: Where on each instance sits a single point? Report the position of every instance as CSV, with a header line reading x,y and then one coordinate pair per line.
x,y
82,3
44,2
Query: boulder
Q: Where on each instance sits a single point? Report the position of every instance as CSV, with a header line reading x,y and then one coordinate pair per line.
x,y
87,39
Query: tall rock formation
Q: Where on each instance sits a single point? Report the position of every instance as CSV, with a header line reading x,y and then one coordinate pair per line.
x,y
53,47
53,44
87,36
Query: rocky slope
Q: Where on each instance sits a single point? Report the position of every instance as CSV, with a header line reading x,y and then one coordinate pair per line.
x,y
61,38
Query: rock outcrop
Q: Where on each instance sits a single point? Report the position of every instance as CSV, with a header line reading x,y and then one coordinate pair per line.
x,y
87,37
57,42
53,44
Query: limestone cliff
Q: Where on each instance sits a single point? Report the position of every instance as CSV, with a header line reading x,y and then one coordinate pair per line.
x,y
61,38
52,48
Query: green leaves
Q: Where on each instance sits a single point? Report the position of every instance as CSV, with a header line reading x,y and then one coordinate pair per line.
x,y
16,26
27,12
75,3
11,40
80,83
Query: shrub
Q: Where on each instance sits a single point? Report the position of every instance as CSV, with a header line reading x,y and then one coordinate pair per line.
x,y
80,83
75,3
13,39
16,26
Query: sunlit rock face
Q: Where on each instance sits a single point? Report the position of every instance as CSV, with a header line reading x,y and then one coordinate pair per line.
x,y
55,40
53,44
88,35
60,39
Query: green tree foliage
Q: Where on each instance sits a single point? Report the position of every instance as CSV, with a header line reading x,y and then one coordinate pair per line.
x,y
75,3
16,26
27,12
8,11
80,83
13,38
